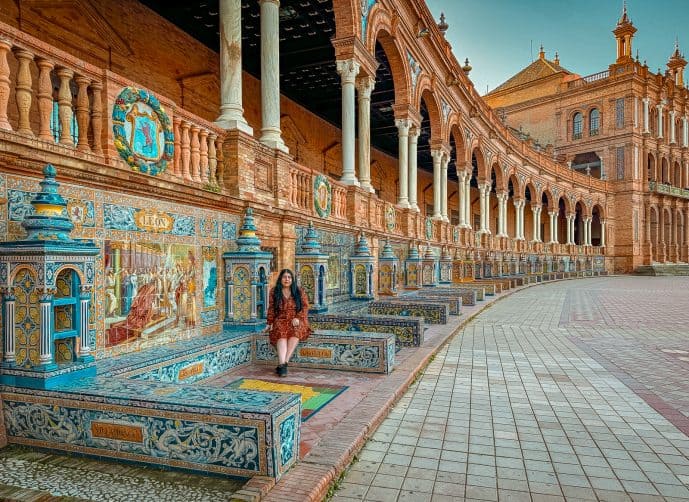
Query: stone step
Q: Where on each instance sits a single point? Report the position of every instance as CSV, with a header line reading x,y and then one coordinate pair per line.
x,y
658,269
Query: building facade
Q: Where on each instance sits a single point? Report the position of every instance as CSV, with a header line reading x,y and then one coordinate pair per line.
x,y
362,123
627,125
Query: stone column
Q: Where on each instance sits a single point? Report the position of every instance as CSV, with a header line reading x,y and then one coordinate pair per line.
x,y
46,313
437,155
231,110
84,299
646,106
685,132
487,206
502,214
602,233
461,189
467,200
482,203
536,223
403,126
660,120
589,221
553,225
270,77
364,86
413,174
348,70
5,47
254,312
673,139
45,99
519,231
23,91
443,186
9,326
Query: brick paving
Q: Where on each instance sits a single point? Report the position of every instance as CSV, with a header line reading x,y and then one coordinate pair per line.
x,y
576,390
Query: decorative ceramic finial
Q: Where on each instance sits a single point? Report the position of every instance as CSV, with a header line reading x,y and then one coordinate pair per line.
x,y
247,240
312,244
467,67
362,247
413,251
387,250
50,220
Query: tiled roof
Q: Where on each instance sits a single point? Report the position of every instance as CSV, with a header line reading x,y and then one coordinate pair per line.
x,y
540,68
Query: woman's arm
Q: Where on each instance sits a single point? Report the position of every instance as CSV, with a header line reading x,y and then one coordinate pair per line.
x,y
303,315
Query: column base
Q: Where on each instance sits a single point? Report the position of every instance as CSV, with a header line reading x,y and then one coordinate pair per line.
x,y
403,204
437,217
367,186
232,123
414,207
446,219
349,179
275,143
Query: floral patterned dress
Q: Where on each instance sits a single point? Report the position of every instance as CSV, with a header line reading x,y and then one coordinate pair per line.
x,y
282,322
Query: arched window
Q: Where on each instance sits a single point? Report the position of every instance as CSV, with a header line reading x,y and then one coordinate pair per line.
x,y
577,125
594,122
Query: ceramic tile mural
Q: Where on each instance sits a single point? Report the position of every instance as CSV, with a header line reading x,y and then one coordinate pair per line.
x,y
156,275
408,331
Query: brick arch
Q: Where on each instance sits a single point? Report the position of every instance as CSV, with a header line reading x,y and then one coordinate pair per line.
x,y
551,199
664,170
581,203
500,182
13,275
518,189
347,13
535,194
433,113
601,210
568,203
380,32
480,161
651,167
456,132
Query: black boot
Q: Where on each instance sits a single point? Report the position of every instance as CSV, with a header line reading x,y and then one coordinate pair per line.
x,y
282,370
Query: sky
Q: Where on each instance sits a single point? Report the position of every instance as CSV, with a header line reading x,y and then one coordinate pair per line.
x,y
501,37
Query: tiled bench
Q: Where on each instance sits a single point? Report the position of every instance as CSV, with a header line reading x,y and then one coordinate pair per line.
x,y
468,296
408,330
488,288
432,313
220,431
453,302
341,350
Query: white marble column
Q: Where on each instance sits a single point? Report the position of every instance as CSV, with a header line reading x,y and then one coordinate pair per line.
x,y
685,132
602,233
45,345
502,214
270,75
520,219
437,155
646,114
231,109
482,206
84,298
403,126
443,186
487,206
413,175
536,223
348,70
660,120
461,188
467,200
9,327
364,86
553,226
673,138
589,221
570,228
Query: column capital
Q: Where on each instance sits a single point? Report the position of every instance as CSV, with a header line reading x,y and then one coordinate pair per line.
x,y
414,133
364,86
347,68
403,126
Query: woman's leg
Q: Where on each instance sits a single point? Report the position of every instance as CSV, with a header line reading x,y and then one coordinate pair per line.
x,y
292,343
281,347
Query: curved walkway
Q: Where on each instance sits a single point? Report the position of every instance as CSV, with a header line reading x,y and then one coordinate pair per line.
x,y
575,390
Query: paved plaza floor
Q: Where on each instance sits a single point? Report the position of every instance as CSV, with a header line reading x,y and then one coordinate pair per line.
x,y
575,390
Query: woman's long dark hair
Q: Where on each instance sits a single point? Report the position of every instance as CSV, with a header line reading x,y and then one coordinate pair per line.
x,y
277,292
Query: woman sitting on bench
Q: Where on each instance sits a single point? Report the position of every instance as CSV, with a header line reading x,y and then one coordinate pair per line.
x,y
287,318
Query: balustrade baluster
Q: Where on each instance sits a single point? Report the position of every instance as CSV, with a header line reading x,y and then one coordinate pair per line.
x,y
5,47
64,102
23,91
203,152
212,160
83,112
220,169
177,155
195,154
97,117
45,99
186,152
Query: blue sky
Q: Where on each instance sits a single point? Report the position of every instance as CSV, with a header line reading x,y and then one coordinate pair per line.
x,y
497,35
